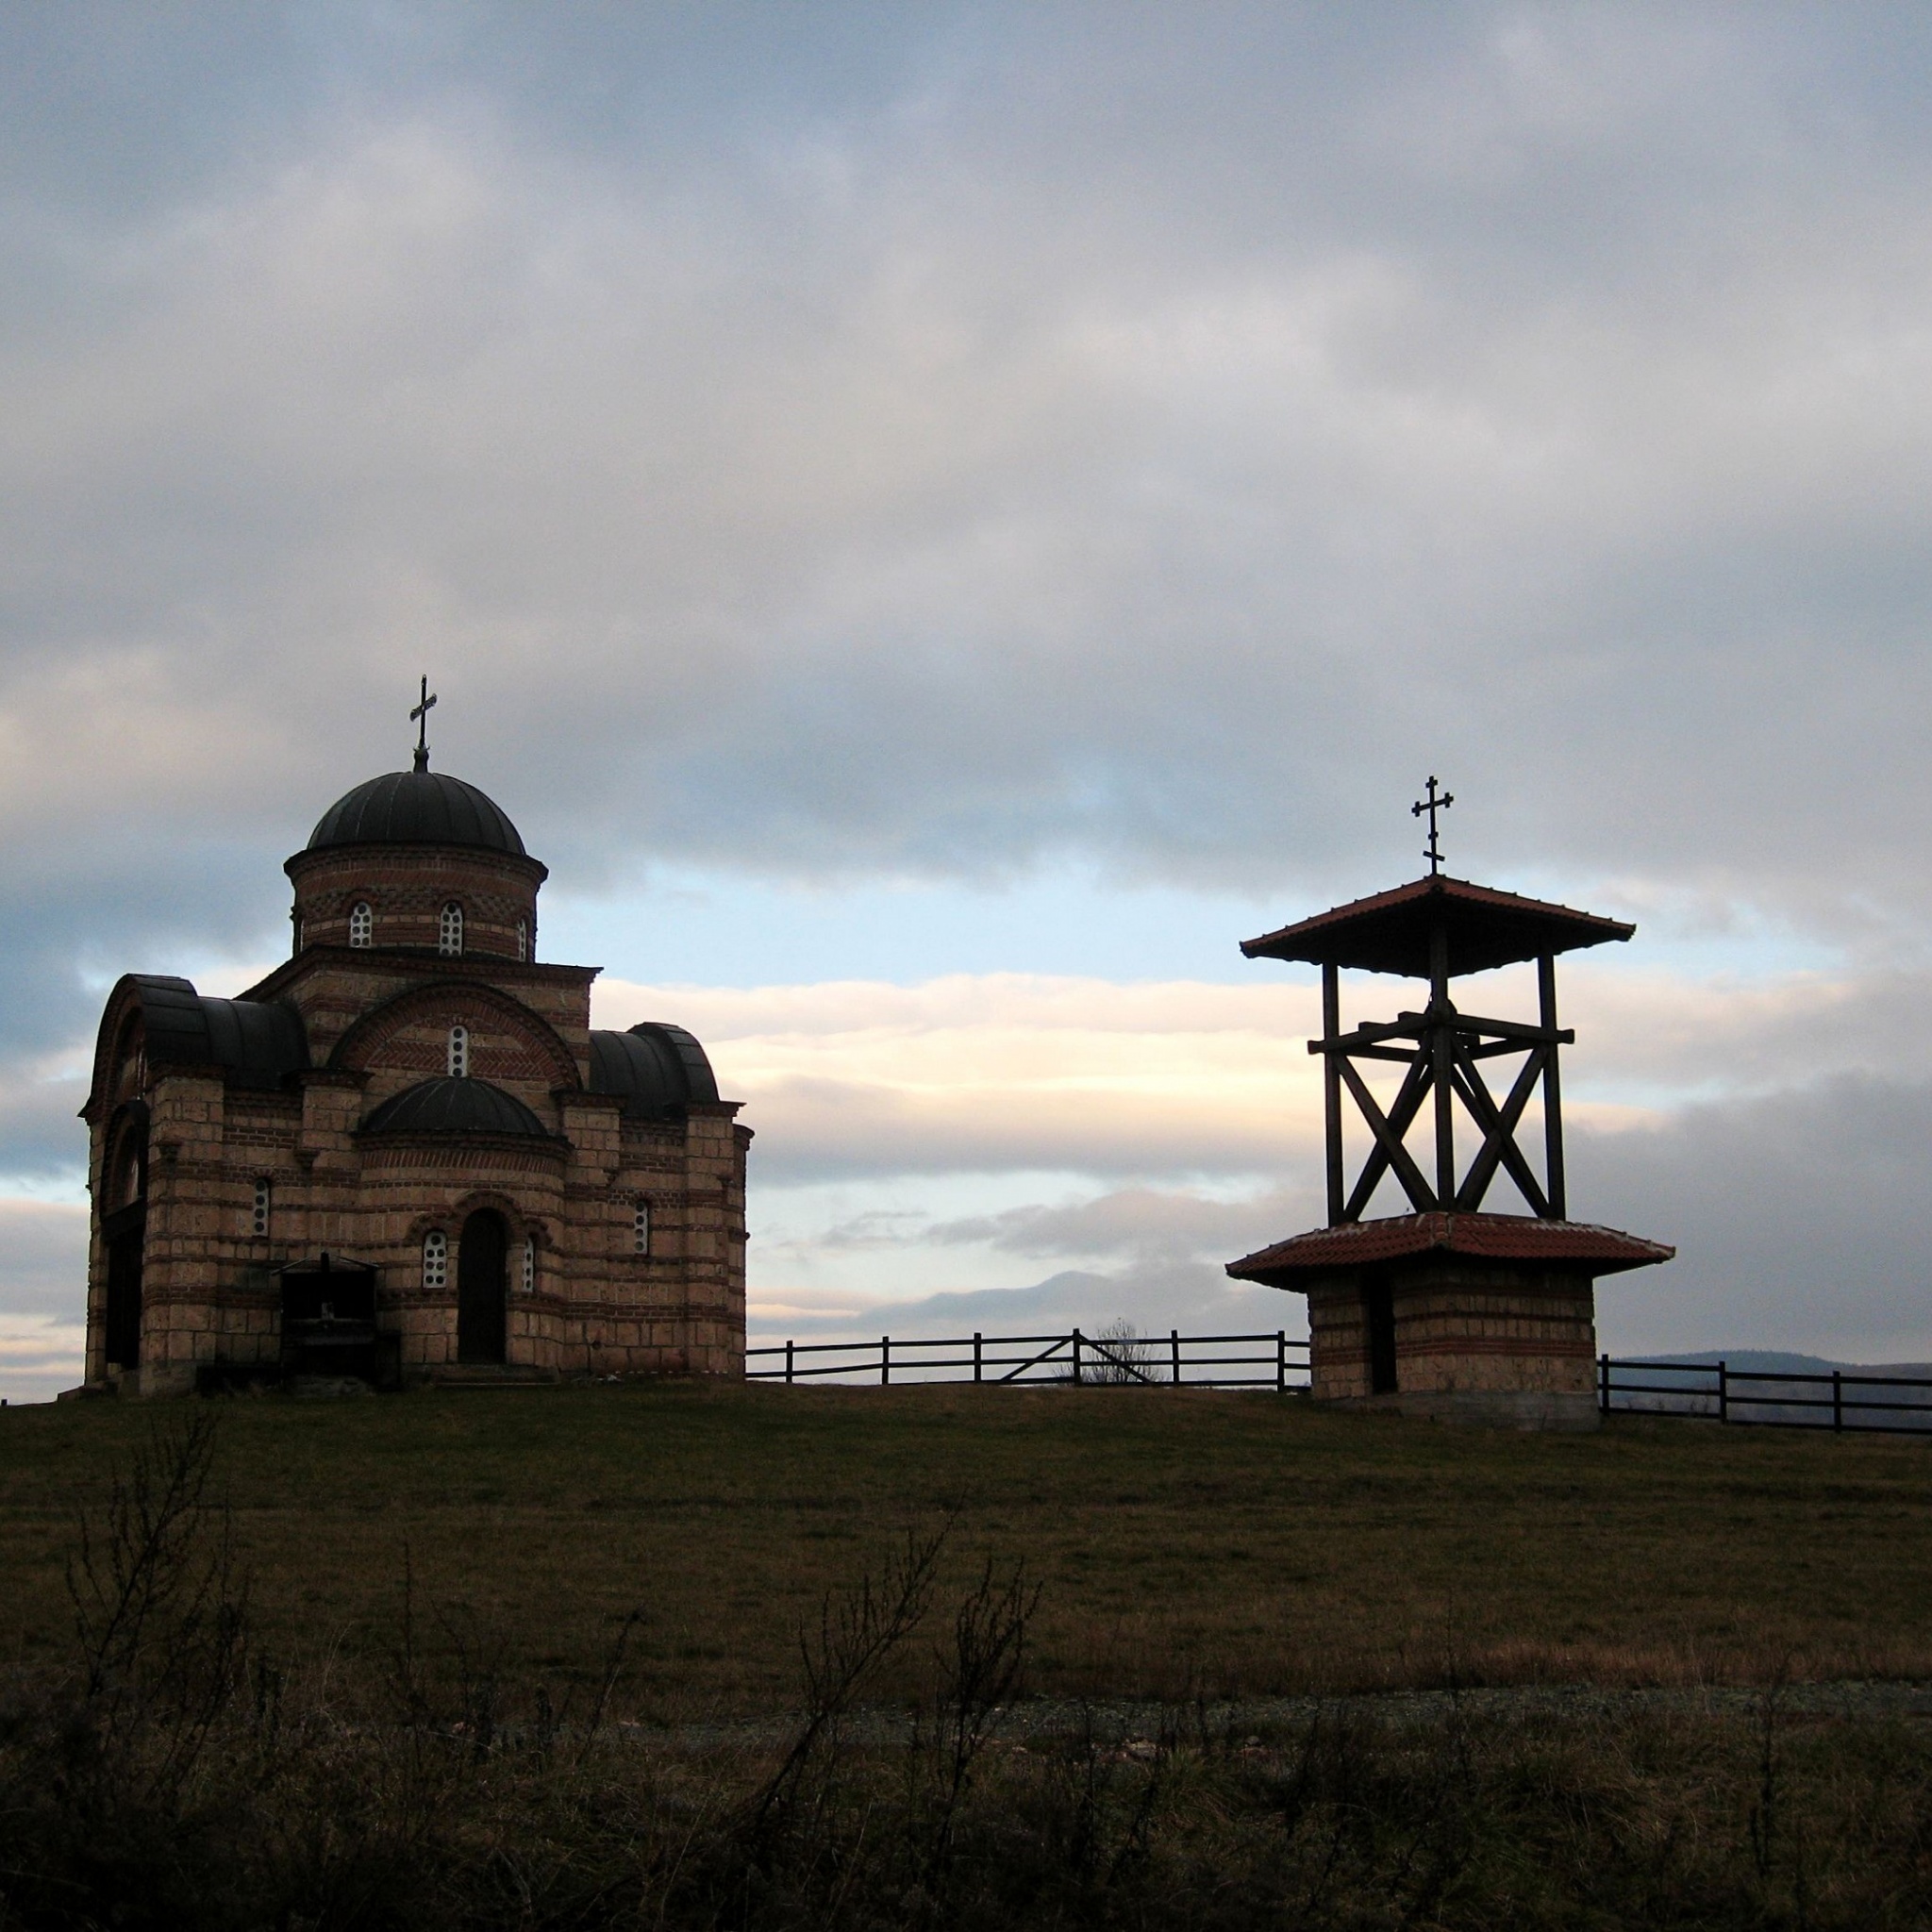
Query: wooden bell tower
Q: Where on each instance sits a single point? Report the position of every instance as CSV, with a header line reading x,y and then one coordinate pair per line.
x,y
1449,1310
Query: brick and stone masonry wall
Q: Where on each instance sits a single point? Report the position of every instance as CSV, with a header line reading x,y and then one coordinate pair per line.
x,y
1458,1327
598,1308
406,889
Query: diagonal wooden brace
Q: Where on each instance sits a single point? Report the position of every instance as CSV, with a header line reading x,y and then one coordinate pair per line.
x,y
1408,1102
1499,1134
1389,1138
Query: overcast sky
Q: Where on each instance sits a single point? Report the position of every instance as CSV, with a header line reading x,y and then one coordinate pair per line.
x,y
938,520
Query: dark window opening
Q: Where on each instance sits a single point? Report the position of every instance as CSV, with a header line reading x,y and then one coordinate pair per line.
x,y
1378,1311
482,1288
122,1326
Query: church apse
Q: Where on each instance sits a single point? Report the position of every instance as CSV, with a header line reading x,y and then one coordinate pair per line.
x,y
405,1154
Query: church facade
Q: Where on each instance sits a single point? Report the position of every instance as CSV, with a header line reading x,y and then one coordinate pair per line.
x,y
405,1154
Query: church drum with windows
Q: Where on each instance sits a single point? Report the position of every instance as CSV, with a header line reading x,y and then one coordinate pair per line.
x,y
405,1154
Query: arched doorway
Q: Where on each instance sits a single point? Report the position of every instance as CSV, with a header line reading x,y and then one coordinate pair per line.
x,y
482,1287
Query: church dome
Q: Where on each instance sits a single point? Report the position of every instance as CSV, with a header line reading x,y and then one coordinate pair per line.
x,y
416,809
454,1107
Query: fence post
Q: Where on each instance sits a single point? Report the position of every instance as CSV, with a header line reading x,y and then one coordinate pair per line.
x,y
1280,1361
1602,1385
788,1359
978,1359
1724,1393
1077,1357
1837,1402
1173,1337
885,1359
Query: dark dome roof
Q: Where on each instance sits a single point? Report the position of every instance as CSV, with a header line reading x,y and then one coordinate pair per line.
x,y
659,1069
416,809
454,1107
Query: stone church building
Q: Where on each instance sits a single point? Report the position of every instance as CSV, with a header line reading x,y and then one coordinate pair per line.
x,y
405,1154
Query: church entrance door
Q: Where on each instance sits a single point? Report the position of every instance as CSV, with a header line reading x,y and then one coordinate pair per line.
x,y
126,1234
482,1287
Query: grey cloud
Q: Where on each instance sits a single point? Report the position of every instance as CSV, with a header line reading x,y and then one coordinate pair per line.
x,y
1037,437
1802,1221
885,442
1155,1297
1150,1226
45,1245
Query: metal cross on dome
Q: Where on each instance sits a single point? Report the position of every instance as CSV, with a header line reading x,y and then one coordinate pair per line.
x,y
1432,805
420,717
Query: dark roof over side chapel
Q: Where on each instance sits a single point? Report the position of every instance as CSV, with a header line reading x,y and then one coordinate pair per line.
x,y
659,1070
417,808
256,1043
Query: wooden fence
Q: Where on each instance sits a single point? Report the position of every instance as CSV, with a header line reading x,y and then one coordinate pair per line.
x,y
1767,1398
1173,1360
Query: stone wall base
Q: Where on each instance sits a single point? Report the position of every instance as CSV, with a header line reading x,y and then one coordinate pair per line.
x,y
1560,1411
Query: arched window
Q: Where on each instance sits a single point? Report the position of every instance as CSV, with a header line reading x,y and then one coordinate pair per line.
x,y
436,1259
361,924
523,939
132,1159
641,1226
449,932
295,920
258,1219
460,1053
529,1276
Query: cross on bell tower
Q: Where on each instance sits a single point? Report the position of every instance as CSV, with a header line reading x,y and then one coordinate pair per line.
x,y
1432,805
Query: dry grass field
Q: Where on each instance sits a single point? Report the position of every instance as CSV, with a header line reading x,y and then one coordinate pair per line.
x,y
1187,1542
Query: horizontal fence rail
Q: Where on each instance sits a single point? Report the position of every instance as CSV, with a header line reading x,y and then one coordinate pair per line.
x,y
1767,1398
1171,1360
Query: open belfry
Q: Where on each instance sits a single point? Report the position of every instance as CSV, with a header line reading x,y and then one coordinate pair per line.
x,y
1448,1311
404,1154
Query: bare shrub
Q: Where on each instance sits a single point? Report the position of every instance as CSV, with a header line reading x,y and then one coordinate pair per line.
x,y
1122,1354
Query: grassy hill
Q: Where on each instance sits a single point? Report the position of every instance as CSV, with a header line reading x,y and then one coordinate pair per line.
x,y
1186,1542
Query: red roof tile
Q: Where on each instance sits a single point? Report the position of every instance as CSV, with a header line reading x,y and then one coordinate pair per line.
x,y
1481,1237
1389,932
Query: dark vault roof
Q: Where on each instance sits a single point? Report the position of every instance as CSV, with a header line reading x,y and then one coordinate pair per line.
x,y
659,1069
1390,932
454,1107
257,1042
416,809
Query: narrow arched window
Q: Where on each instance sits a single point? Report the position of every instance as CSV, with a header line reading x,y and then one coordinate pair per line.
x,y
449,932
436,1259
361,924
295,920
529,1264
523,939
641,1226
258,1219
460,1053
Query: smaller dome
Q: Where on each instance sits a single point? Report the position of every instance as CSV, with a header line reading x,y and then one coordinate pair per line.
x,y
416,809
454,1107
659,1069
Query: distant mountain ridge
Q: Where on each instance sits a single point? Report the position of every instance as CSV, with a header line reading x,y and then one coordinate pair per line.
x,y
1772,1361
